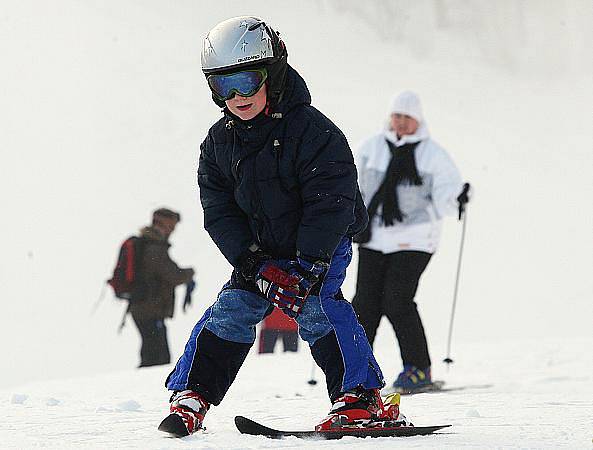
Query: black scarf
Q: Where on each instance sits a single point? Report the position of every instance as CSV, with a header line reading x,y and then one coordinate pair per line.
x,y
401,169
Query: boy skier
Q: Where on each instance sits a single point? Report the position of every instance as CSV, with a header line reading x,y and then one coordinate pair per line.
x,y
278,187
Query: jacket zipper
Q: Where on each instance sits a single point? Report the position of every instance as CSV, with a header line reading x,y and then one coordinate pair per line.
x,y
264,221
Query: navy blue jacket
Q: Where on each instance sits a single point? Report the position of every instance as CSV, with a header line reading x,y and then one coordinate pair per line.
x,y
285,180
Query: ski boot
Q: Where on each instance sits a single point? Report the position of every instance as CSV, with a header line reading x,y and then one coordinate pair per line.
x,y
391,412
363,408
187,412
412,379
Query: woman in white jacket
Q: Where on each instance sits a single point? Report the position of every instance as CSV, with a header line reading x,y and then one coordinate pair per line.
x,y
409,183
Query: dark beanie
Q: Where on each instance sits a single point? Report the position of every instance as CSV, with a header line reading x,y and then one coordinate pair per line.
x,y
167,213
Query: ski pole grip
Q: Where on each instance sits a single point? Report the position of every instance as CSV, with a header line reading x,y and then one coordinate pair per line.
x,y
463,199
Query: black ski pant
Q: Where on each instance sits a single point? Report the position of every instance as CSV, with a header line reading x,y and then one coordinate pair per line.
x,y
154,349
217,362
387,285
268,338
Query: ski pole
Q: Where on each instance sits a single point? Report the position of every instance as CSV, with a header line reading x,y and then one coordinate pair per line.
x,y
99,300
448,359
123,320
313,381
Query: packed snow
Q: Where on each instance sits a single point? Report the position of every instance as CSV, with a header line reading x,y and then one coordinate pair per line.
x,y
103,108
520,394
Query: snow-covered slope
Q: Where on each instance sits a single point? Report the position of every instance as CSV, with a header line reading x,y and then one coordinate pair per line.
x,y
103,106
540,398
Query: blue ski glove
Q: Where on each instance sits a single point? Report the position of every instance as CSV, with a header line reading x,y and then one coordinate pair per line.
x,y
309,274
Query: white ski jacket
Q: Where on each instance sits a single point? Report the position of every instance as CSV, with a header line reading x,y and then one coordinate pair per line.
x,y
423,206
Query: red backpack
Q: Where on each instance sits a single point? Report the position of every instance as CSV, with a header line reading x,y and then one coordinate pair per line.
x,y
125,281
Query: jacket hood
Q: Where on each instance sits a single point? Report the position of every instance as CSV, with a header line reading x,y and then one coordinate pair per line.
x,y
295,93
407,103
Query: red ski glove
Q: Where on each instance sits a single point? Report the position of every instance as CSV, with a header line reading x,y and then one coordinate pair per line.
x,y
280,287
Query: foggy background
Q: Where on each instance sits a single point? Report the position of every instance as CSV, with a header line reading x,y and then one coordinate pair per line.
x,y
103,106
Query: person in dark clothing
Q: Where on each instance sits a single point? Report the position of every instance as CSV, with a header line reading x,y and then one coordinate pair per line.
x,y
387,285
159,275
278,186
409,184
278,325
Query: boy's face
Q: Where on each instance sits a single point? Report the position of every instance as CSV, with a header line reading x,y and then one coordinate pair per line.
x,y
246,108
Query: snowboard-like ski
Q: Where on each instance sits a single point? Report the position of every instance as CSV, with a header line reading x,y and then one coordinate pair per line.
x,y
248,426
435,386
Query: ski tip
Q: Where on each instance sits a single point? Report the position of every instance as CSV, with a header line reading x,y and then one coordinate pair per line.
x,y
173,424
240,420
248,426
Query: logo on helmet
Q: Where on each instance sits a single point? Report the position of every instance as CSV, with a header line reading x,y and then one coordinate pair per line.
x,y
208,49
248,58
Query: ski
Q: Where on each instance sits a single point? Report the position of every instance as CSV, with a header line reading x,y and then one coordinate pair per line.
x,y
174,426
436,386
248,426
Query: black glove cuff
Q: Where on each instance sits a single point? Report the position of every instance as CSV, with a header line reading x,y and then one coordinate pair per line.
x,y
250,262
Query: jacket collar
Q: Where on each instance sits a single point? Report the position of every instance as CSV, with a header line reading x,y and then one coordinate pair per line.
x,y
151,233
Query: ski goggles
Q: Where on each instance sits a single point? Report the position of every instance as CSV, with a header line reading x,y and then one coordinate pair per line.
x,y
245,83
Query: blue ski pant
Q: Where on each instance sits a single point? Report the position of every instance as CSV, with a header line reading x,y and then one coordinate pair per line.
x,y
223,336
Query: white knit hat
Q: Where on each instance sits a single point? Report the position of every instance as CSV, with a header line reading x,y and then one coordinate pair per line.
x,y
407,103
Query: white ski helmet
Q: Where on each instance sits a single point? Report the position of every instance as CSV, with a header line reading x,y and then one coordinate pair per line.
x,y
245,42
